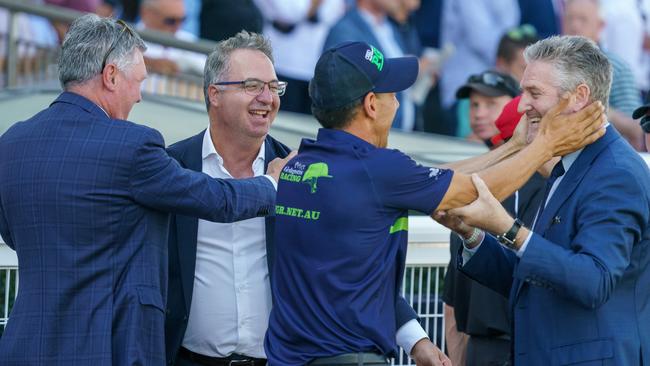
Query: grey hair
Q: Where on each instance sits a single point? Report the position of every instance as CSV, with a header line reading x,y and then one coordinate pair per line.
x,y
218,60
576,60
86,43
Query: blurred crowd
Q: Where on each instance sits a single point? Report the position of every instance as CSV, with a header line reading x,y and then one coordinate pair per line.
x,y
456,42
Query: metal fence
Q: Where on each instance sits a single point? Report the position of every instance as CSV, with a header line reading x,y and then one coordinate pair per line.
x,y
25,63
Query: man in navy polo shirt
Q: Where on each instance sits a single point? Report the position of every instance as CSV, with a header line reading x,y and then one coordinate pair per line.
x,y
342,212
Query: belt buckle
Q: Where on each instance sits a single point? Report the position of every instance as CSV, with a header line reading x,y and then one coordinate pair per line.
x,y
241,363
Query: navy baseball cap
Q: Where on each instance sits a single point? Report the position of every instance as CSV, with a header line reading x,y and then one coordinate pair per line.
x,y
350,70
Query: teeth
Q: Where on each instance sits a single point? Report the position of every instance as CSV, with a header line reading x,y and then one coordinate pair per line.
x,y
260,113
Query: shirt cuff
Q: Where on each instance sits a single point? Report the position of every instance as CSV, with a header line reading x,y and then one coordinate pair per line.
x,y
275,184
523,246
409,334
468,253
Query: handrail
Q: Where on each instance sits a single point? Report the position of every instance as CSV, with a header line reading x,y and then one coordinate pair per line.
x,y
67,15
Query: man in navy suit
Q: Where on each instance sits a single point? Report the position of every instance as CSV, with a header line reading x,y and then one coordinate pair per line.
x,y
84,201
219,293
578,280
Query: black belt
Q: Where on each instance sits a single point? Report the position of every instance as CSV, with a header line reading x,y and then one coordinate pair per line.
x,y
232,360
361,358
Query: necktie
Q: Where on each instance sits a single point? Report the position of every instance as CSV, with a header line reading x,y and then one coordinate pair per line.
x,y
558,171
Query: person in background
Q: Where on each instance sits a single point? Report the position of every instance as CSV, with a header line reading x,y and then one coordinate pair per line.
x,y
510,51
369,22
298,25
488,92
474,28
584,18
167,16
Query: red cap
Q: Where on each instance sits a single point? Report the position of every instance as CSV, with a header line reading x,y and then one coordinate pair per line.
x,y
507,122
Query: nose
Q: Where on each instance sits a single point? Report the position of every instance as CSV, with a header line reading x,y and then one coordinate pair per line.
x,y
524,103
265,96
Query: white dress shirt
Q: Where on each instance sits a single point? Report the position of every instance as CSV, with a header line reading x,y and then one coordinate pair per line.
x,y
231,301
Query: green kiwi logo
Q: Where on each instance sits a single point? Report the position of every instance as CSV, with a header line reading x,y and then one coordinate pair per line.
x,y
314,172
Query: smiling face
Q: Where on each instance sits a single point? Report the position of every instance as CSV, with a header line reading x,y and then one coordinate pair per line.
x,y
240,113
539,93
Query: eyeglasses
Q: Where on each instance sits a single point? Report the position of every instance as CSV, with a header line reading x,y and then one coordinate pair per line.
x,y
521,32
255,87
125,28
172,21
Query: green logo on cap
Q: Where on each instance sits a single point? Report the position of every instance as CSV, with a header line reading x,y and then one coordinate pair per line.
x,y
315,171
375,57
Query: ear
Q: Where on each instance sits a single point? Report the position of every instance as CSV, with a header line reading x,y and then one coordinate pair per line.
x,y
582,97
109,77
213,95
370,105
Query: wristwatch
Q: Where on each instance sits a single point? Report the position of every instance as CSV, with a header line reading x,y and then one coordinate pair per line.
x,y
508,238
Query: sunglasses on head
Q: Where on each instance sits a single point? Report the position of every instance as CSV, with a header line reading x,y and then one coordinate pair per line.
x,y
488,78
521,32
125,29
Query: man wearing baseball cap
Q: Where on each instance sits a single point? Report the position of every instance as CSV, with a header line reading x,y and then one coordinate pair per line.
x,y
342,213
488,93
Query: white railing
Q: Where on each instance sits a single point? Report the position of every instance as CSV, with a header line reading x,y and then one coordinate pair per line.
x,y
426,261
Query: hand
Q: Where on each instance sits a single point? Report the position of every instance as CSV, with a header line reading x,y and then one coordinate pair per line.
x,y
565,133
426,353
520,137
485,212
276,166
453,223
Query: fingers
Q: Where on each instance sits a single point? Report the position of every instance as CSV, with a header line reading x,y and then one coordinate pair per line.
x,y
291,155
480,185
566,100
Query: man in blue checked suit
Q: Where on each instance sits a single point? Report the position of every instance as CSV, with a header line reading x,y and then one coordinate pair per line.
x,y
579,280
84,201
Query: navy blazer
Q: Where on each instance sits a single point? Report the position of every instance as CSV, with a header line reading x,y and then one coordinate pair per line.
x,y
580,293
182,248
84,201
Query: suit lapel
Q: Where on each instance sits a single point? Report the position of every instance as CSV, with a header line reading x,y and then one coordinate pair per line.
x,y
573,177
567,186
187,227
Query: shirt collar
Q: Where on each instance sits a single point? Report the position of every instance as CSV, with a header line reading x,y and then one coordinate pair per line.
x,y
208,148
340,136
